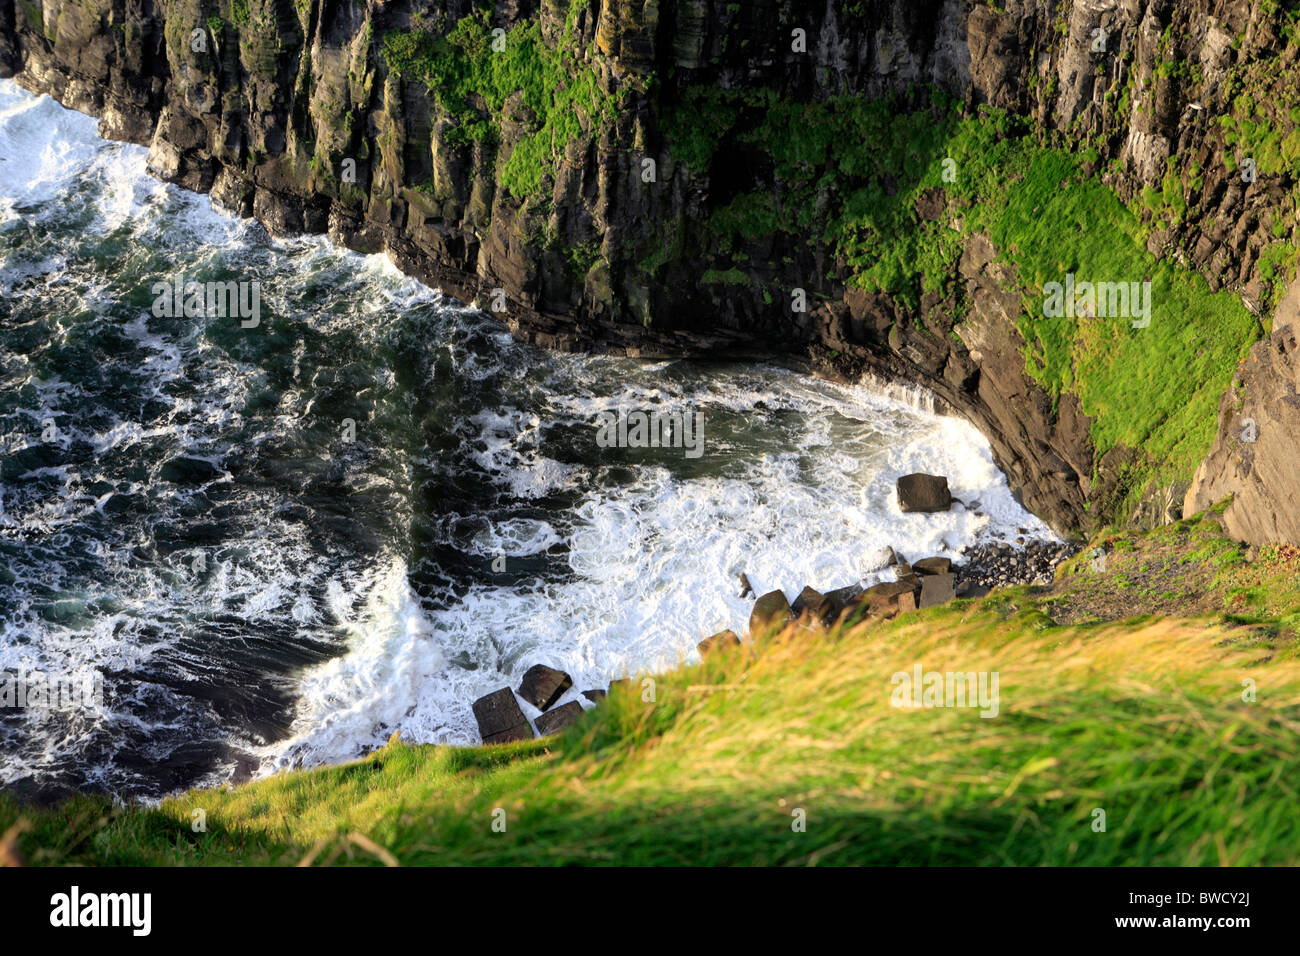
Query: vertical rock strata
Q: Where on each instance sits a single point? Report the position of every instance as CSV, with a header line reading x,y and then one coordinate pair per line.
x,y
641,176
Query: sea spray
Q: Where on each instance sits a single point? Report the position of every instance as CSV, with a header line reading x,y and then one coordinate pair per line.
x,y
260,592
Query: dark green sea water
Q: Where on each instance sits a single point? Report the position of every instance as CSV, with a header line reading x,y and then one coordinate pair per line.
x,y
185,516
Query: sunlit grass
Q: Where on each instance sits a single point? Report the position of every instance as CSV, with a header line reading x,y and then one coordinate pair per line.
x,y
1144,720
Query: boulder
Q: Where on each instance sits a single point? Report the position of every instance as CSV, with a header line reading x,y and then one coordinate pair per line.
x,y
553,721
807,599
932,566
813,604
623,682
912,580
925,493
841,598
719,641
500,718
542,685
887,599
595,696
771,610
937,589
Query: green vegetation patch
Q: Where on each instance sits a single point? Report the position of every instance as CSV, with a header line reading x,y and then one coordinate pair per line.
x,y
472,81
896,191
796,751
1187,568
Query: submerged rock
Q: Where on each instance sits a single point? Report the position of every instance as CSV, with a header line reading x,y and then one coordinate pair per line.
x,y
879,559
184,470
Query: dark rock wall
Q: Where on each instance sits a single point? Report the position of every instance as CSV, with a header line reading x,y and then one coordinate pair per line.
x,y
1256,456
261,102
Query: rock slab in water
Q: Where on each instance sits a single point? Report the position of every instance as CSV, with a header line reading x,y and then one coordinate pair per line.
x,y
841,598
932,566
542,685
595,696
500,719
938,589
553,721
925,493
771,610
719,641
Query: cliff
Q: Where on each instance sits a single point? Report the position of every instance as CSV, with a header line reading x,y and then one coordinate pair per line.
x,y
891,186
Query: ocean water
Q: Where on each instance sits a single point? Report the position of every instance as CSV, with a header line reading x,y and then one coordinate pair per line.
x,y
277,545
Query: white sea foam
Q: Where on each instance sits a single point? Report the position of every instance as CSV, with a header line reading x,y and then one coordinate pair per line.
x,y
797,487
655,565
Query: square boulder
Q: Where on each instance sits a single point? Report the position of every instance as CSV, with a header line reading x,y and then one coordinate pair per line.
x,y
925,493
500,718
542,686
553,721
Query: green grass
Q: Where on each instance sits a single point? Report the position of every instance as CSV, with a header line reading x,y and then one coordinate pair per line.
x,y
1143,719
1155,389
853,171
850,174
1189,568
462,66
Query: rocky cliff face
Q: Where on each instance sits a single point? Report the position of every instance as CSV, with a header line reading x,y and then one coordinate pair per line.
x,y
1256,455
634,176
